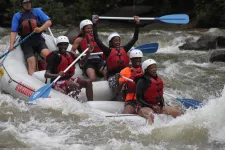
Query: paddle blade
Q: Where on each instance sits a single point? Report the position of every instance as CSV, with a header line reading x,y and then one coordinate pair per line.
x,y
190,103
43,92
148,48
175,19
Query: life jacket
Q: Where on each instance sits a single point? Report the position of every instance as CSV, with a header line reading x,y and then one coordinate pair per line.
x,y
89,40
154,93
27,23
117,60
131,86
64,62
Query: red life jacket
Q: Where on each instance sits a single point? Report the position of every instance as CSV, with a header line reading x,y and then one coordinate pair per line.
x,y
65,61
27,23
131,86
89,40
117,59
154,94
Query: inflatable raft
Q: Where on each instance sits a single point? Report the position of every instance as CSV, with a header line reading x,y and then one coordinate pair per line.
x,y
15,81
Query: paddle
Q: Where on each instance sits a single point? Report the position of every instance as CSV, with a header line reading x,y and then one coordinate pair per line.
x,y
50,31
44,91
175,18
145,48
148,48
24,39
187,103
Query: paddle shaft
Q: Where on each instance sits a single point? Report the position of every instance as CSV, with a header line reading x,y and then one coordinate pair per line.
x,y
72,64
24,39
125,18
50,31
174,18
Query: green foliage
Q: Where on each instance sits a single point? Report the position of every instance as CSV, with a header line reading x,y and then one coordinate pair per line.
x,y
209,13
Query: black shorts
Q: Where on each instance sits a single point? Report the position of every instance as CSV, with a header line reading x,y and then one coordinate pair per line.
x,y
132,103
33,45
95,63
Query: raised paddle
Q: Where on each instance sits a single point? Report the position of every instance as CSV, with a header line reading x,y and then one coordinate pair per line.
x,y
175,18
187,103
145,48
44,91
24,39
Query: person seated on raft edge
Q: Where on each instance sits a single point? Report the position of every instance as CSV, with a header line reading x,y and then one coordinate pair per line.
x,y
115,54
149,93
58,61
24,22
128,88
95,64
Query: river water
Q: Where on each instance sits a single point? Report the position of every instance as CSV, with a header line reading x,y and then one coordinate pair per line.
x,y
186,74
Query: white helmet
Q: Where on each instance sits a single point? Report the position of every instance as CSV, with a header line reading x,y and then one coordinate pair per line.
x,y
147,63
136,53
112,35
62,39
84,23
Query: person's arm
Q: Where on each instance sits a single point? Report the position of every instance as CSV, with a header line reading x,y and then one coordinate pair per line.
x,y
76,45
51,65
131,43
14,30
12,40
102,46
85,58
44,18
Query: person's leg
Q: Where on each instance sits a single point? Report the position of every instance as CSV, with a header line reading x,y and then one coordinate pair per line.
x,y
91,74
101,68
28,52
86,83
129,107
103,71
147,113
44,53
173,111
31,65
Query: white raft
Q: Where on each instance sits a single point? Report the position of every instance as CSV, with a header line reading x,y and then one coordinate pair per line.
x,y
15,81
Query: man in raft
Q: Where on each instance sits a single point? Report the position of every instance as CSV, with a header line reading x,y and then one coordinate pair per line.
x,y
128,88
58,61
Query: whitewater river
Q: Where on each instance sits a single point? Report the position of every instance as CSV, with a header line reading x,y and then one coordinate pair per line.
x,y
187,74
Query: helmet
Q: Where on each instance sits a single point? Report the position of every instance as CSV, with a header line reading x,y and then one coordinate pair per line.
x,y
24,1
84,23
136,53
112,35
147,63
61,39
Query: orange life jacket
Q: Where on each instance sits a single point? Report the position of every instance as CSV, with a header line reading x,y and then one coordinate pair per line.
x,y
131,86
118,58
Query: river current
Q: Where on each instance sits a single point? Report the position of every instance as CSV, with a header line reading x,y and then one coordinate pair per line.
x,y
186,74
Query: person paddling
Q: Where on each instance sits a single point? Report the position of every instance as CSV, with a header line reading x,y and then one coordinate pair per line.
x,y
128,89
116,55
58,61
26,21
149,93
95,64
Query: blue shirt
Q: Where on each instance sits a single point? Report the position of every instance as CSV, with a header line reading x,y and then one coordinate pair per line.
x,y
36,11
